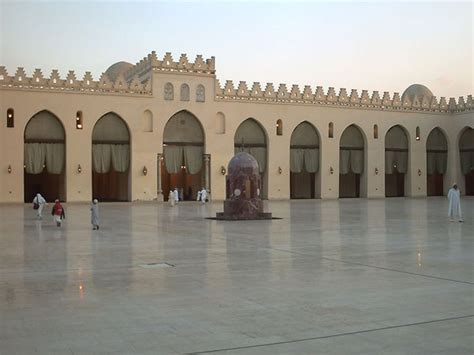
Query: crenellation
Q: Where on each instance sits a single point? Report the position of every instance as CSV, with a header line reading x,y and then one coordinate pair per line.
x,y
242,90
71,81
406,103
331,95
375,99
229,88
396,101
342,97
354,98
20,77
386,99
104,82
269,91
434,105
425,102
295,93
88,80
55,79
319,94
416,102
256,90
461,104
168,61
452,104
283,92
308,93
199,63
38,78
184,62
443,105
364,98
219,90
469,102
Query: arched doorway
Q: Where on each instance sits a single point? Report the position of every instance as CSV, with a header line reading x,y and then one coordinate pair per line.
x,y
110,159
396,161
466,152
44,158
351,162
436,162
304,162
183,149
250,137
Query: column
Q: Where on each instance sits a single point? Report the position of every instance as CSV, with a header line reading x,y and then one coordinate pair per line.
x,y
160,190
207,167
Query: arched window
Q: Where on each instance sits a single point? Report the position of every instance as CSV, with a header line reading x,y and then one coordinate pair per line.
x,y
220,123
10,118
169,92
79,120
147,121
417,133
184,94
279,127
331,130
200,93
376,131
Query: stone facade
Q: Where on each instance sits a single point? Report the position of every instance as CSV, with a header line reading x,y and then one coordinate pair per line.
x,y
148,94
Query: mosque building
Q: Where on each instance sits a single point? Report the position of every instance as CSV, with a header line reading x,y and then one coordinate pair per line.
x,y
143,129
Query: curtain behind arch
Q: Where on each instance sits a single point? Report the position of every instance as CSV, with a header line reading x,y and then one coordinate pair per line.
x,y
120,157
311,160
296,160
34,158
344,159
173,158
467,161
54,157
193,158
101,158
357,161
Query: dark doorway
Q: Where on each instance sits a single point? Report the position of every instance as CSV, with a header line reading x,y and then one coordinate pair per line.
x,y
349,185
395,184
50,186
470,183
434,184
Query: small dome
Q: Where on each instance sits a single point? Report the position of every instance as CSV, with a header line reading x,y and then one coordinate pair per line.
x,y
118,68
243,162
417,90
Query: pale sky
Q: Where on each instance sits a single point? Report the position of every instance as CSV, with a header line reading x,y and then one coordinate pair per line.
x,y
385,45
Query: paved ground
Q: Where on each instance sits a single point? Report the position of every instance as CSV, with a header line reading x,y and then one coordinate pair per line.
x,y
352,276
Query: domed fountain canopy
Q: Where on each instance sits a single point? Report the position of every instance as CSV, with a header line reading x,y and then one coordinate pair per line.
x,y
118,68
417,90
243,162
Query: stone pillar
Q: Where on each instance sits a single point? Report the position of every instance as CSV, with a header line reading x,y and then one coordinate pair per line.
x,y
207,171
160,190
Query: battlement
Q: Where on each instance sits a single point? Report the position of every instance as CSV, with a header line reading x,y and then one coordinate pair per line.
x,y
183,65
330,98
71,84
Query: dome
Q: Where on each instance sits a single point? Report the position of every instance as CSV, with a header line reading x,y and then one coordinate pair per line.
x,y
243,162
417,90
118,68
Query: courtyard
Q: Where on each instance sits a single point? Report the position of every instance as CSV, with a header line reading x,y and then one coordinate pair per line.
x,y
348,276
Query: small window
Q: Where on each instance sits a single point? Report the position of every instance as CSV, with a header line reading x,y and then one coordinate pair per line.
x,y
417,133
169,92
10,118
376,131
79,120
184,94
200,93
279,127
147,121
331,130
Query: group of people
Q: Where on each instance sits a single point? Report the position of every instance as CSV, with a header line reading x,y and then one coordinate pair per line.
x,y
58,213
173,196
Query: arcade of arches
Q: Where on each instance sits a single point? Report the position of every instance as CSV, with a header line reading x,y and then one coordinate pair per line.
x,y
185,165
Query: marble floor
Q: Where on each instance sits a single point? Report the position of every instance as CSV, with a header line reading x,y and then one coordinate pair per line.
x,y
353,276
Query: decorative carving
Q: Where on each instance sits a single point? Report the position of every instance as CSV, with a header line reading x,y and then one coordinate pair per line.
x,y
200,93
242,89
169,92
184,92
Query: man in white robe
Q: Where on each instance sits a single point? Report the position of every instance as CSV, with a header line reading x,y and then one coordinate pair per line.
x,y
454,209
171,199
41,202
176,195
203,195
95,214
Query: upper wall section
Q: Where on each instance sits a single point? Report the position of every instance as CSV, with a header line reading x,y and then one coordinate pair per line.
x,y
135,80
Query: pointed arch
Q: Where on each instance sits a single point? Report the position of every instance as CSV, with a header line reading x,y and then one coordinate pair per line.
x,y
466,153
44,156
396,160
352,162
111,158
436,161
304,162
251,137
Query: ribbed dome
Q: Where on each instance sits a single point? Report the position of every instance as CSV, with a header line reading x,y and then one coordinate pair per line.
x,y
243,162
417,90
118,68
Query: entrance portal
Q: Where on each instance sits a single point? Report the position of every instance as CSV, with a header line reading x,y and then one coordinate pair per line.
x,y
466,151
436,162
396,161
351,162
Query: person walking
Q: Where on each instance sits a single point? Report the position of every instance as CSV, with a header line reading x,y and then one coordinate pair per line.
x,y
454,209
58,213
176,195
203,195
38,204
95,214
171,200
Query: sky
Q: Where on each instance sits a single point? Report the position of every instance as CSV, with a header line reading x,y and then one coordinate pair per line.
x,y
384,45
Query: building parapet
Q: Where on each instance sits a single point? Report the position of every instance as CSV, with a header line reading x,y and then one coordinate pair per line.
x,y
341,99
104,85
